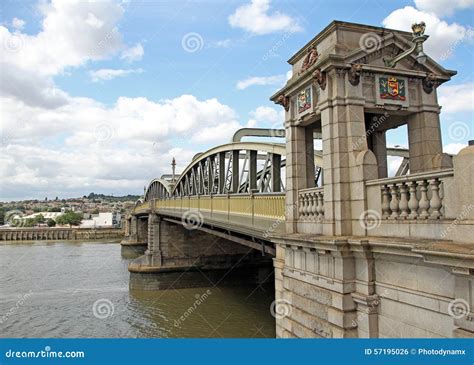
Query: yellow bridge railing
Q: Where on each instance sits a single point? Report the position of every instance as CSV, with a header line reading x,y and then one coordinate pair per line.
x,y
270,206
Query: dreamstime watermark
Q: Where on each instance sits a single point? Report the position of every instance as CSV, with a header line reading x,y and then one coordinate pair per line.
x,y
458,308
449,51
277,222
459,218
192,219
47,353
281,308
5,138
370,42
14,218
370,219
21,300
103,132
13,43
272,52
200,298
277,130
459,131
103,308
371,307
192,42
377,121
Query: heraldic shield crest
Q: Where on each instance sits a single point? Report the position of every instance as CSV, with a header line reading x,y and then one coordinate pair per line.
x,y
392,90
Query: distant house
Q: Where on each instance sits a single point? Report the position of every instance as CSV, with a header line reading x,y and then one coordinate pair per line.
x,y
102,220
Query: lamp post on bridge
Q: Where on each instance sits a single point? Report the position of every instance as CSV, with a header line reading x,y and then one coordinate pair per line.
x,y
173,166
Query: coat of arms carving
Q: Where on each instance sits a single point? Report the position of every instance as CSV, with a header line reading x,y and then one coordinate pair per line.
x,y
304,100
392,89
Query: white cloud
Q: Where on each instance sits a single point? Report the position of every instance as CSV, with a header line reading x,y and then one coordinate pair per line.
x,y
109,74
267,117
51,141
443,7
456,98
116,148
261,81
70,35
268,114
453,148
254,18
29,87
133,54
18,23
444,37
225,43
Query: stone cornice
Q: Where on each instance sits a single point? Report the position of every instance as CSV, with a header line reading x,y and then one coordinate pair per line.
x,y
446,253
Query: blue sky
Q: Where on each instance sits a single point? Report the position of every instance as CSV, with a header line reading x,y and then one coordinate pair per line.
x,y
98,96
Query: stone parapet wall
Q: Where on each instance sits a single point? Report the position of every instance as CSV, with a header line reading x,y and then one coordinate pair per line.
x,y
379,288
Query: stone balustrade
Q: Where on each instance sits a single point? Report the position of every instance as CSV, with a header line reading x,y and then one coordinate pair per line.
x,y
311,204
417,196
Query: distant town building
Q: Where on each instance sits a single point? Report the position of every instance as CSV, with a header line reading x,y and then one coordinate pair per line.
x,y
102,220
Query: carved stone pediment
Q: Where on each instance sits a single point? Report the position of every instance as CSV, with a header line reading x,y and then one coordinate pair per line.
x,y
388,48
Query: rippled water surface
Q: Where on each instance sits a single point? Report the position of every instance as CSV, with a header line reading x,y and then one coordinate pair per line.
x,y
48,289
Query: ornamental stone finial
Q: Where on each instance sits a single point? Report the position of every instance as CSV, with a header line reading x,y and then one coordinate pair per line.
x,y
418,29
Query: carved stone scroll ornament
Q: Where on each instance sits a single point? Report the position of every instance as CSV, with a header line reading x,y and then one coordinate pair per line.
x,y
310,59
283,101
354,74
429,83
319,78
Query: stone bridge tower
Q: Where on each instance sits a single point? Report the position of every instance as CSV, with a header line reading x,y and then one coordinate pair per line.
x,y
337,265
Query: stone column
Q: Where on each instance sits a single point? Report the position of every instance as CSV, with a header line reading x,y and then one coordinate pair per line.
x,y
296,172
424,139
343,135
153,251
134,228
142,230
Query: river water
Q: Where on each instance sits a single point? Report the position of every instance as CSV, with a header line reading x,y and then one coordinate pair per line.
x,y
80,289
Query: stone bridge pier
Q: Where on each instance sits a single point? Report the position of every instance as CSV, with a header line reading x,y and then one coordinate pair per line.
x,y
180,256
135,234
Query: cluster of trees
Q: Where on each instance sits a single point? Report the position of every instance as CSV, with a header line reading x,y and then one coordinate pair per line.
x,y
46,209
31,222
94,197
69,217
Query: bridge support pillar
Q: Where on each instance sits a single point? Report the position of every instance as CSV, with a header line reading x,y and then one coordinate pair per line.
x,y
136,235
133,228
181,257
153,252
